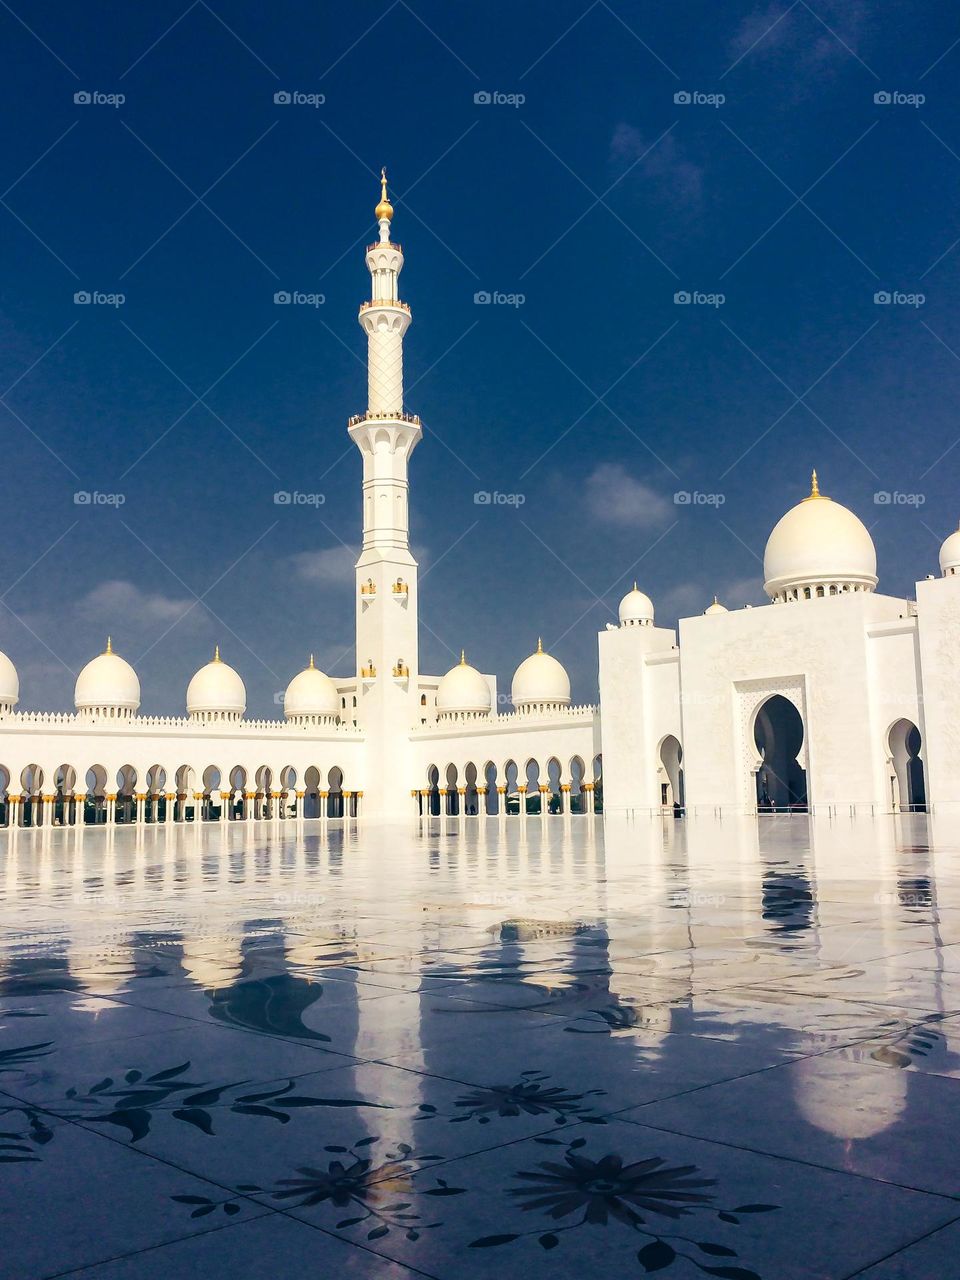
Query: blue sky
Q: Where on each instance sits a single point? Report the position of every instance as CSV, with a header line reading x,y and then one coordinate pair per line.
x,y
598,198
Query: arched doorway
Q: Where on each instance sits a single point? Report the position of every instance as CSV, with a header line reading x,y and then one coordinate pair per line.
x,y
672,798
781,779
907,784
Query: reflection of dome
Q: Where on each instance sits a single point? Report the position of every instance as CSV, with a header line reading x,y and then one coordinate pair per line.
x,y
100,968
9,684
213,961
107,686
950,555
540,683
818,548
716,607
216,692
848,1100
636,609
311,697
463,692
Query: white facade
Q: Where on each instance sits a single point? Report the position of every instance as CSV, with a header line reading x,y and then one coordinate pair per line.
x,y
832,697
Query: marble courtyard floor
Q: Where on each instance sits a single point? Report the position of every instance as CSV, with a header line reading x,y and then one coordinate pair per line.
x,y
518,1048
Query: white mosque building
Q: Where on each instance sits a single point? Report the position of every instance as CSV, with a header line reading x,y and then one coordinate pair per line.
x,y
832,698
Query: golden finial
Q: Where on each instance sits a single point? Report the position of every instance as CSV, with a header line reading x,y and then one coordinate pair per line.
x,y
539,645
311,666
715,600
814,486
634,584
463,657
109,648
384,209
216,654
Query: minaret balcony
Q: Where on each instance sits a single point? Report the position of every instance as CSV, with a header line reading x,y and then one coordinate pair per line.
x,y
372,416
385,302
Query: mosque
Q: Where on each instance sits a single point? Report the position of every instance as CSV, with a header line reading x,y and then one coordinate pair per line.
x,y
833,698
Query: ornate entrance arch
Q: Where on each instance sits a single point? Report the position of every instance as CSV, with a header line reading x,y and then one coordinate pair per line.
x,y
752,696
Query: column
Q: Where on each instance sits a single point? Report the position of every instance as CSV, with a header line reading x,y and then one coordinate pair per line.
x,y
275,805
79,800
226,798
587,789
482,801
16,815
141,807
324,804
111,800
522,807
171,798
301,795
198,806
250,806
501,803
544,797
462,793
48,803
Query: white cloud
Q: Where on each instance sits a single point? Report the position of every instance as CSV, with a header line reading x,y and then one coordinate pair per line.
x,y
334,565
664,164
126,602
616,497
773,30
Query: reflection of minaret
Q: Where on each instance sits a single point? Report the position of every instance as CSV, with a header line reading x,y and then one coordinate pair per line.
x,y
387,655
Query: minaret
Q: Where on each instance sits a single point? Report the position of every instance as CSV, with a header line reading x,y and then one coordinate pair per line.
x,y
386,576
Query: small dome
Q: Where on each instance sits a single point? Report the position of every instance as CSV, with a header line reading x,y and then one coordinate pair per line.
x,y
463,690
9,683
107,683
818,547
540,679
636,609
950,555
216,691
716,607
311,693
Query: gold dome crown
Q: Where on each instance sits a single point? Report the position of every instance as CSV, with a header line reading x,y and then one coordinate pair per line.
x,y
384,209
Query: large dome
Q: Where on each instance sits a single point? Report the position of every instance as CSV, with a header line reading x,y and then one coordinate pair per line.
x,y
216,692
107,684
540,680
311,693
818,548
463,691
9,684
950,555
636,609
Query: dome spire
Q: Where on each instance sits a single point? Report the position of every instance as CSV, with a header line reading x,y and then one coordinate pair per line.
x,y
463,657
814,485
216,654
312,664
109,648
384,209
539,644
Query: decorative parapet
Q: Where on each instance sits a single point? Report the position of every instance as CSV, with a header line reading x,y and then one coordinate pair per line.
x,y
372,415
135,724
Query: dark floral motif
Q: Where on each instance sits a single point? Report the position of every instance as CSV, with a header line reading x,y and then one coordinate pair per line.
x,y
13,1059
530,1096
19,1146
606,1190
913,1043
133,1103
381,1192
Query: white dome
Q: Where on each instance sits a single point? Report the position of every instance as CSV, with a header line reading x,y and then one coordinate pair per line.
x,y
818,547
716,607
636,609
107,683
9,682
950,554
216,690
311,693
540,678
463,690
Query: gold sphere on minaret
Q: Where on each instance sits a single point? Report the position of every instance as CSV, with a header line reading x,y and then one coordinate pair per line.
x,y
384,209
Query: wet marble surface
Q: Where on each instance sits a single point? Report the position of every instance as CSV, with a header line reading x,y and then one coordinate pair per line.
x,y
549,1047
